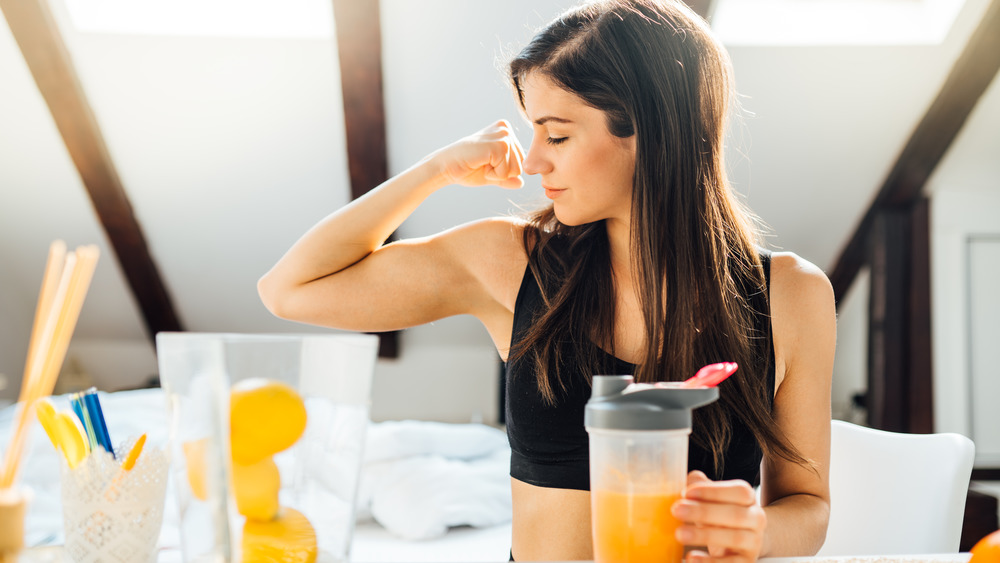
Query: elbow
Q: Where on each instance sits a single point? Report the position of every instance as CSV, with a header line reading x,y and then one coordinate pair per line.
x,y
800,530
820,517
272,296
822,526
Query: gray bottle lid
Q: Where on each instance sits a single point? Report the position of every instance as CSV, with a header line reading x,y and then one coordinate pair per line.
x,y
616,403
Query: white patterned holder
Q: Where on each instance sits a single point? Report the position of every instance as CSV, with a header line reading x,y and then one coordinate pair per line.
x,y
112,515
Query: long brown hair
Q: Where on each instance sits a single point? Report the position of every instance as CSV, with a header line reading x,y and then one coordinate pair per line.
x,y
659,74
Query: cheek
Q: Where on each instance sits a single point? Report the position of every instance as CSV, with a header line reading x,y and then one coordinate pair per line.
x,y
620,167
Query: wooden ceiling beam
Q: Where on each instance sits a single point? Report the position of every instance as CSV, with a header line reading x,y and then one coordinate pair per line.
x,y
969,78
359,46
45,53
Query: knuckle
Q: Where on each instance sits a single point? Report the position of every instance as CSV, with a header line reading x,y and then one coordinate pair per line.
x,y
744,539
696,512
761,518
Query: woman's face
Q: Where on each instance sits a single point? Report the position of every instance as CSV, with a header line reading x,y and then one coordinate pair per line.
x,y
586,171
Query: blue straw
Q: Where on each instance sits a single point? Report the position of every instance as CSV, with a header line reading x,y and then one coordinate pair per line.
x,y
93,405
82,413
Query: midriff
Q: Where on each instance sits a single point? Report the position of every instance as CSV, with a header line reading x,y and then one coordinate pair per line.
x,y
550,524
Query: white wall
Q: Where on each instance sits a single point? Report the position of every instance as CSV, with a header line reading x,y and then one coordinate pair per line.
x,y
965,193
231,147
850,365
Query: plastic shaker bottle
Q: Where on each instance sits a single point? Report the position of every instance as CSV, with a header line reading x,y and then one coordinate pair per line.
x,y
638,466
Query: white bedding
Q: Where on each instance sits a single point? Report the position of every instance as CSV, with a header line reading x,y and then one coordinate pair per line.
x,y
429,491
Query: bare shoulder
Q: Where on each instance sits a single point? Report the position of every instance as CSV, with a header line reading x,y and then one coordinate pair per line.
x,y
803,313
493,252
501,234
798,283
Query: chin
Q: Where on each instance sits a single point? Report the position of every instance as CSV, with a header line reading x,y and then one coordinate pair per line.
x,y
573,220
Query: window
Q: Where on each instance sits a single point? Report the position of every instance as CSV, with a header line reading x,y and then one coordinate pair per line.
x,y
306,19
834,22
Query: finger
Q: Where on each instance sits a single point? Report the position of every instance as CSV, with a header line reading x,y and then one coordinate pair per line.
x,y
512,183
698,556
517,147
743,541
715,514
697,476
505,131
736,491
498,130
516,168
717,551
490,175
499,160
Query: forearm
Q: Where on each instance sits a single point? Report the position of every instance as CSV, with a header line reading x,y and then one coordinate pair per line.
x,y
353,232
796,526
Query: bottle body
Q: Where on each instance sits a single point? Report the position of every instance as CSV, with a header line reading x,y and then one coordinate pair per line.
x,y
635,478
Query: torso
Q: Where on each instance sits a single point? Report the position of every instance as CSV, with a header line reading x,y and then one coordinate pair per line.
x,y
554,523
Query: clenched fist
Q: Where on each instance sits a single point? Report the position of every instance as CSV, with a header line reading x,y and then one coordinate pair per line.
x,y
491,156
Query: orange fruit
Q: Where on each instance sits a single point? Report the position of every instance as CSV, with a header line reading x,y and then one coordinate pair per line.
x,y
289,538
265,417
987,550
256,489
194,457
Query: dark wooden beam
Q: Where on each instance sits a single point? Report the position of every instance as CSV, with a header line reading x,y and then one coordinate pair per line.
x,y
704,8
359,45
920,395
887,376
969,78
900,395
50,64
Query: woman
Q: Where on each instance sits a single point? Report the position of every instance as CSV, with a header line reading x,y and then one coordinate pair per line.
x,y
644,263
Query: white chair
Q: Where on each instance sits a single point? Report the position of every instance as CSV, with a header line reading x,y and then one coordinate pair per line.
x,y
894,493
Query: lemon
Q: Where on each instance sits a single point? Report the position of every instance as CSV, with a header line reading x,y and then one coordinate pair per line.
x,y
289,538
265,417
256,489
194,457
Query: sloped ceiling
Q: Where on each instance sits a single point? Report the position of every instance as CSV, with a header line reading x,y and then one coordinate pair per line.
x,y
230,148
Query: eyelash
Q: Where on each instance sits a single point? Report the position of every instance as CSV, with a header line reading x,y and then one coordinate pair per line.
x,y
556,141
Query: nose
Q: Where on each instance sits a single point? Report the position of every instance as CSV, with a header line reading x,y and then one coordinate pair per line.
x,y
536,162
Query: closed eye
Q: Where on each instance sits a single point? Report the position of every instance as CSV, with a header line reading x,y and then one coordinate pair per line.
x,y
555,141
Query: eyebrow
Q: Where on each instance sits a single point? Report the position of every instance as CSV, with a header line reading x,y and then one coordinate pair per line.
x,y
546,119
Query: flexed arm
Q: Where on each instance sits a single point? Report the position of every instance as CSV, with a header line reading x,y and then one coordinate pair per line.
x,y
338,273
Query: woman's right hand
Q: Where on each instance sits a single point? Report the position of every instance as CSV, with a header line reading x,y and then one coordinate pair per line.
x,y
491,156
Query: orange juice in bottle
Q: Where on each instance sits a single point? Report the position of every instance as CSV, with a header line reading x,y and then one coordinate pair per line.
x,y
635,527
638,466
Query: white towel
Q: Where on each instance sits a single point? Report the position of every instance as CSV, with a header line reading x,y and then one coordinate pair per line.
x,y
404,438
423,477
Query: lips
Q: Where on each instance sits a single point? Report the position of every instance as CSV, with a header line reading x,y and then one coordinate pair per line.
x,y
553,193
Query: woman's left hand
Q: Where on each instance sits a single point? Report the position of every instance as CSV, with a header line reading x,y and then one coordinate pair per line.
x,y
722,516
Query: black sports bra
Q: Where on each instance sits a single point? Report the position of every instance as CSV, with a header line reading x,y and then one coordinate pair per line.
x,y
549,444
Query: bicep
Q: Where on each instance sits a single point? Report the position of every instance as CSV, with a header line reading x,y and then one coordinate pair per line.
x,y
804,321
402,284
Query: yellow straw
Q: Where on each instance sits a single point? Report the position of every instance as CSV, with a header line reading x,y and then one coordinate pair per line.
x,y
32,376
49,344
50,283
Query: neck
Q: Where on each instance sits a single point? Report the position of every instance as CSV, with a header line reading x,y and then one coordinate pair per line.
x,y
619,240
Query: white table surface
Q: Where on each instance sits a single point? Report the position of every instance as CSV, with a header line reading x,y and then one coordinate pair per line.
x,y
55,555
